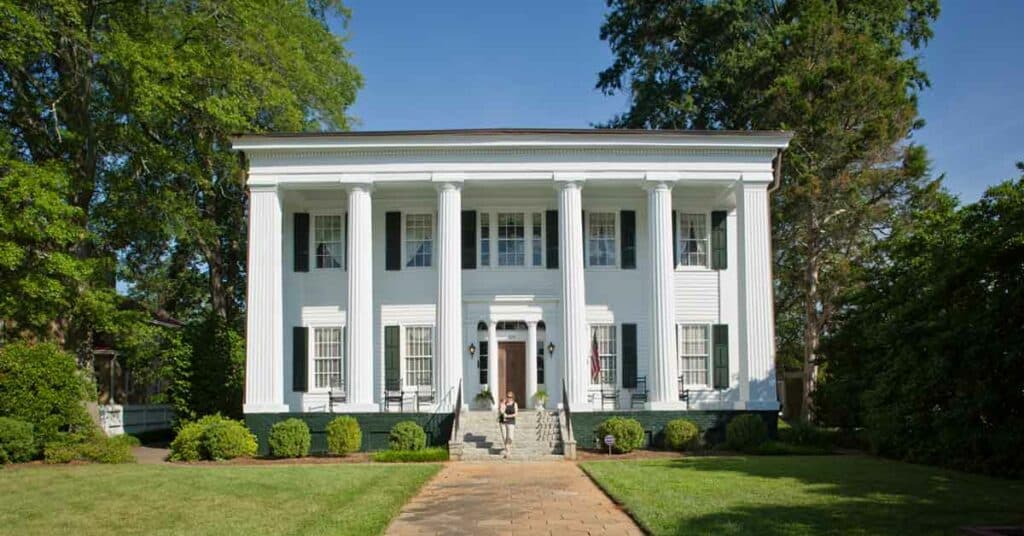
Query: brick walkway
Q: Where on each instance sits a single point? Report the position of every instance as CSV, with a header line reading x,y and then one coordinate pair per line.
x,y
511,498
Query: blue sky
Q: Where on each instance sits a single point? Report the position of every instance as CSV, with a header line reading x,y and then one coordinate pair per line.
x,y
530,63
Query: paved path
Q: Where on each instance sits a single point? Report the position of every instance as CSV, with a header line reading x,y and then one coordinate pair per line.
x,y
511,498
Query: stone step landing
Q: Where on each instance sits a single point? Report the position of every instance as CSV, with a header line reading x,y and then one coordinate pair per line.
x,y
538,436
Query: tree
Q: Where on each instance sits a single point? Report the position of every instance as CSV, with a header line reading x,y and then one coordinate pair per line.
x,y
836,74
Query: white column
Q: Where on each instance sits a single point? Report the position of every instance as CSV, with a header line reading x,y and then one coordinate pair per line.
x,y
575,356
264,348
663,380
359,313
531,362
492,360
756,308
449,291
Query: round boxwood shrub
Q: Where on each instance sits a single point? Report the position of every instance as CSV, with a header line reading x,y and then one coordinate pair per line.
x,y
344,436
407,435
17,444
187,445
228,439
628,433
746,432
289,439
681,434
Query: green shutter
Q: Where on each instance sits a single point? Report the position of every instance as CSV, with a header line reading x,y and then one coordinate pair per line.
x,y
300,242
627,219
629,356
392,241
718,240
675,242
720,355
551,238
392,370
300,359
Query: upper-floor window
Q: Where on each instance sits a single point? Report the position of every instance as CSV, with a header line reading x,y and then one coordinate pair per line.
x,y
537,239
419,239
419,356
693,240
511,239
328,237
601,239
694,353
604,346
328,348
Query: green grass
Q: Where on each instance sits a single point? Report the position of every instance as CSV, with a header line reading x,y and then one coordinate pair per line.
x,y
142,499
849,495
429,454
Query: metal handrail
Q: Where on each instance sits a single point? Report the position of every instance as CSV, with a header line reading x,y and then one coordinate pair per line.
x,y
456,421
568,413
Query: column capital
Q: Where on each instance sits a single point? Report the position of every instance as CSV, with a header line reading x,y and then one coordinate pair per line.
x,y
359,187
448,186
531,323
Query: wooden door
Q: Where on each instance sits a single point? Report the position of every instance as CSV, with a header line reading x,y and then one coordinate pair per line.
x,y
512,371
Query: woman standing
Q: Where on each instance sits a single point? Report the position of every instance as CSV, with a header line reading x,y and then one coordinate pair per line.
x,y
508,411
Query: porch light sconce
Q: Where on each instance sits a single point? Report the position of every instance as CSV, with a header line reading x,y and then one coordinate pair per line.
x,y
551,349
472,351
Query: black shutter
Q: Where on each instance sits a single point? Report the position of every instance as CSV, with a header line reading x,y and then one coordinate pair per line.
x,y
718,240
300,359
393,241
346,241
300,242
482,363
675,242
720,355
583,219
468,239
628,221
551,238
629,356
392,374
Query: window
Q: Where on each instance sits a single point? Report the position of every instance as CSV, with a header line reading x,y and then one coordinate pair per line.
x,y
419,356
601,239
419,239
607,350
537,233
693,240
694,353
511,239
327,235
482,363
327,351
485,239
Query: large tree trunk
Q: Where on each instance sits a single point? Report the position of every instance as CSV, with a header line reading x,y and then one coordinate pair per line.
x,y
812,336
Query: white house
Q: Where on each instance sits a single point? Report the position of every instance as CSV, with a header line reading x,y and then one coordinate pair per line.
x,y
388,268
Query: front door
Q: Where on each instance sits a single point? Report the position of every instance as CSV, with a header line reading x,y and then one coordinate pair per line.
x,y
512,371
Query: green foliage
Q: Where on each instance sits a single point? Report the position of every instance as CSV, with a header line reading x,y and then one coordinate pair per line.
x,y
407,435
126,439
206,370
60,452
628,433
429,454
17,443
681,434
42,385
97,449
344,436
804,434
289,439
484,397
188,444
745,432
930,355
228,439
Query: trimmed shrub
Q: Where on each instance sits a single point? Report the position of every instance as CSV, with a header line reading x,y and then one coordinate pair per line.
x,y
432,454
17,444
344,436
98,449
805,434
289,439
746,432
681,434
42,385
126,439
228,439
188,444
407,435
628,433
59,452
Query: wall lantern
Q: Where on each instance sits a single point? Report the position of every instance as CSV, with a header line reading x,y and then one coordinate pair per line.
x,y
472,351
551,349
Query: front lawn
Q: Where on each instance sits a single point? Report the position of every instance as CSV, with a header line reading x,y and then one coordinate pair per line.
x,y
144,499
805,495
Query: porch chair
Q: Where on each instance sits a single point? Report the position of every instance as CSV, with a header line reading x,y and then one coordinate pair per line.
x,y
335,395
393,395
609,394
684,393
424,394
639,394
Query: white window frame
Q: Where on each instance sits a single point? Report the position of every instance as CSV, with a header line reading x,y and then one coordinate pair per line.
x,y
615,238
405,239
492,216
405,355
680,239
615,358
312,357
313,241
680,356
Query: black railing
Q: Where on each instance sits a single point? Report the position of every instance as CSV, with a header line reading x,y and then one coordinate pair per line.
x,y
568,414
456,420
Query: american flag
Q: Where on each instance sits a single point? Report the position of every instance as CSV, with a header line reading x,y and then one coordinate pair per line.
x,y
595,358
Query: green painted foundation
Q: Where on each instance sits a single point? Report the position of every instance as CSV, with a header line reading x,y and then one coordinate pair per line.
x,y
375,427
711,423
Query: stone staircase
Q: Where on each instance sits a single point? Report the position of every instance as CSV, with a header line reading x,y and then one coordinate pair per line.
x,y
538,436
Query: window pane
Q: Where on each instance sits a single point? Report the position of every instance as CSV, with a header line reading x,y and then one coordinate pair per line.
x,y
327,358
538,238
419,356
601,239
485,239
511,240
607,350
694,353
419,239
693,240
327,237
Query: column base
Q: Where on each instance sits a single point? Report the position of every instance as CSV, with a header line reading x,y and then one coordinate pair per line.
x,y
265,408
675,405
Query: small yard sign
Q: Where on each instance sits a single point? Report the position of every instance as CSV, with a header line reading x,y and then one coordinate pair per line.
x,y
609,440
